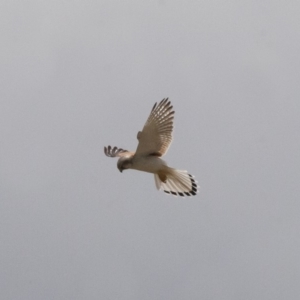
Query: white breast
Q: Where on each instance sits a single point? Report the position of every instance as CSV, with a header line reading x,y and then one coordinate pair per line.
x,y
150,164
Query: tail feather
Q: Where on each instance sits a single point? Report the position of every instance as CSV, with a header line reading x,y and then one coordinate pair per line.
x,y
178,183
157,181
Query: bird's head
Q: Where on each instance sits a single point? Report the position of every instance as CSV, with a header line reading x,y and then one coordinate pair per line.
x,y
124,163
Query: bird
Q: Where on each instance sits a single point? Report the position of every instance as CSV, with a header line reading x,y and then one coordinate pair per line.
x,y
153,142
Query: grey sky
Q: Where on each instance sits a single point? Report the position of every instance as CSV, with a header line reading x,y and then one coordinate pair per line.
x,y
79,75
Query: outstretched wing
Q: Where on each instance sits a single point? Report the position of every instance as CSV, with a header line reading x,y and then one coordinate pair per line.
x,y
156,136
116,152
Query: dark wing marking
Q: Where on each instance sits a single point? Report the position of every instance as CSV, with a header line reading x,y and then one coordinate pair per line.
x,y
156,136
115,151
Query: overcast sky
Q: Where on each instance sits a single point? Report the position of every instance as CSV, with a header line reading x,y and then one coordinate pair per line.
x,y
80,75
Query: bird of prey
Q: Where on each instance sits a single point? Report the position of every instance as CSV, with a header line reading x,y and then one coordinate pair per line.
x,y
154,141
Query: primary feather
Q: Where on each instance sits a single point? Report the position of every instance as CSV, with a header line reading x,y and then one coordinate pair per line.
x,y
156,136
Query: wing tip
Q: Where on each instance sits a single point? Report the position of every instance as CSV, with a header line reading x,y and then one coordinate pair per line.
x,y
113,152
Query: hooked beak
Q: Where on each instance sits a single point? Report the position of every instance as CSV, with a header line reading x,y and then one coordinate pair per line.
x,y
120,169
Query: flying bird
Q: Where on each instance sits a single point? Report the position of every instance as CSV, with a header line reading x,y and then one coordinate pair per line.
x,y
154,142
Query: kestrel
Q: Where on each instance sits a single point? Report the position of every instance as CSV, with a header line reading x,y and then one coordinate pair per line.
x,y
154,142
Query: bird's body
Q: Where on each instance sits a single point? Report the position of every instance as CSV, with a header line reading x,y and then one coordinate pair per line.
x,y
150,164
154,141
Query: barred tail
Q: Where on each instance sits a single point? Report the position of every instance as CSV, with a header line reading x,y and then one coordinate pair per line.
x,y
176,182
